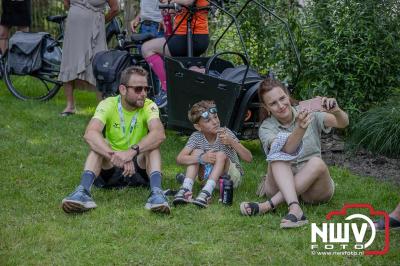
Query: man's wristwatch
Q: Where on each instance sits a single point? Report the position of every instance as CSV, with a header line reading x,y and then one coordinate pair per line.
x,y
136,148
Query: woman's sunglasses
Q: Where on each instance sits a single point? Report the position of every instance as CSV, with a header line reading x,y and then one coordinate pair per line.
x,y
138,89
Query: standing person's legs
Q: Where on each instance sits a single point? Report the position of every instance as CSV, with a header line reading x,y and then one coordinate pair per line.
x,y
69,96
69,88
83,84
4,34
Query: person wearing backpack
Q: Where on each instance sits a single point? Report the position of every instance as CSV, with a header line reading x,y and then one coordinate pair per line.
x,y
84,37
15,13
129,148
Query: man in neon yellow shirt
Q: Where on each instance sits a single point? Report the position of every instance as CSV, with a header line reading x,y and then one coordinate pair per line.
x,y
133,135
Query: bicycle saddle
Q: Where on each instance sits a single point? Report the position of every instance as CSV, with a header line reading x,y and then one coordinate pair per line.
x,y
56,18
140,38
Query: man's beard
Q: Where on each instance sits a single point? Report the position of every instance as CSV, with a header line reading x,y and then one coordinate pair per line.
x,y
134,104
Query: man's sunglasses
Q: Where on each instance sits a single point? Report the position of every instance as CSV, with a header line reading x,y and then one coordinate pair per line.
x,y
206,114
138,89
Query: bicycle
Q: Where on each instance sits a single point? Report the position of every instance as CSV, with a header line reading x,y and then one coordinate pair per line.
x,y
45,80
107,65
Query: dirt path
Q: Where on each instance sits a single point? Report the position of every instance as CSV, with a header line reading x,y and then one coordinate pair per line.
x,y
361,162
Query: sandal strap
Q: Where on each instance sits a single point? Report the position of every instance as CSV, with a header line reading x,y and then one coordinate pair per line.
x,y
291,217
294,202
272,205
206,192
255,209
393,222
184,189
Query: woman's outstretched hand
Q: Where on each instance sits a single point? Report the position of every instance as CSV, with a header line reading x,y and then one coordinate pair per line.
x,y
330,105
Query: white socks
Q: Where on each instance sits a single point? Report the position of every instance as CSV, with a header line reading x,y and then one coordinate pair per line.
x,y
188,183
210,185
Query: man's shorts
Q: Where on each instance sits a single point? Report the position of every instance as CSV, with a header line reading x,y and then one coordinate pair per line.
x,y
113,178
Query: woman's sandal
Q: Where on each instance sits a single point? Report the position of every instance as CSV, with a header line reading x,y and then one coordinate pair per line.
x,y
292,221
394,224
254,207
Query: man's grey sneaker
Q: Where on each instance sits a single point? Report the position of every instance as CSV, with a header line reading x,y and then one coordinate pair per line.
x,y
203,199
78,201
157,202
161,99
183,196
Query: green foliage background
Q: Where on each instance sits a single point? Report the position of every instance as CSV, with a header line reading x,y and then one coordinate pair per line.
x,y
349,49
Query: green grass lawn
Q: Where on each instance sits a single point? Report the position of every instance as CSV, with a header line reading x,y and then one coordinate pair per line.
x,y
42,155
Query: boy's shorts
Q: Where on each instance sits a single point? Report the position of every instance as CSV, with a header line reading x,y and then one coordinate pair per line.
x,y
235,175
233,172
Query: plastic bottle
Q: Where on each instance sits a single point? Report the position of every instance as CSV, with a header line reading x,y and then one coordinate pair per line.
x,y
221,185
167,18
227,197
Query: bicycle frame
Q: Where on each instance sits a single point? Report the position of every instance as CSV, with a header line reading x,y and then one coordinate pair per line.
x,y
20,85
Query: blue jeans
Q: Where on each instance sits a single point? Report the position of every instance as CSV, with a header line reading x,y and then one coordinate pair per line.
x,y
152,27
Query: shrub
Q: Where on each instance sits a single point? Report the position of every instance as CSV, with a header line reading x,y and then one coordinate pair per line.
x,y
350,50
378,130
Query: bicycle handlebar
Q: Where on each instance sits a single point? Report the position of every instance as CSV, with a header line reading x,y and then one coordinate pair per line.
x,y
178,7
175,6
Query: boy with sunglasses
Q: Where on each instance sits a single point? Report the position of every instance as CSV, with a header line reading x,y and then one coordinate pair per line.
x,y
129,150
210,152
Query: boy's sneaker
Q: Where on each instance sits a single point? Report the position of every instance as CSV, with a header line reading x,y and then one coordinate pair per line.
x,y
161,99
157,202
203,199
78,201
183,196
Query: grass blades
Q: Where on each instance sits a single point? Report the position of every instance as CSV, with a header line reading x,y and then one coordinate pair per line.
x,y
378,130
42,156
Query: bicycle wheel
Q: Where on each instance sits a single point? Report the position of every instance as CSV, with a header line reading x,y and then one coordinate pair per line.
x,y
40,86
